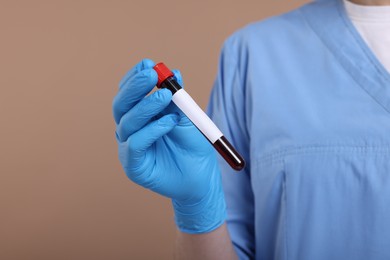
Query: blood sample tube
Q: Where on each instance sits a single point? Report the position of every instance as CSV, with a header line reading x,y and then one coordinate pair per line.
x,y
198,117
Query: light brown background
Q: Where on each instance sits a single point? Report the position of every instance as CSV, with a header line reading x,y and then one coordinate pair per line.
x,y
63,194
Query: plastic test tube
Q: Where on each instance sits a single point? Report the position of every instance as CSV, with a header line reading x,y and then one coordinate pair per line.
x,y
198,117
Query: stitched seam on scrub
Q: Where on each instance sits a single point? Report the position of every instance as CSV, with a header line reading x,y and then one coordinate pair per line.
x,y
278,156
285,211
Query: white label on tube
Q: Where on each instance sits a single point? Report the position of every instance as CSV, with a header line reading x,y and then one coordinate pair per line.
x,y
198,117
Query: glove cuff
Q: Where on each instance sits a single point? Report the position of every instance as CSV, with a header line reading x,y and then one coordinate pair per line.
x,y
203,216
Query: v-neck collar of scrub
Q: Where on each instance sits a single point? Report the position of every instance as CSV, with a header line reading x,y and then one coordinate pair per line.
x,y
330,22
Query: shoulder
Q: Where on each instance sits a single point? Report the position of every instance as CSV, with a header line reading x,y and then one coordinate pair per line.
x,y
271,32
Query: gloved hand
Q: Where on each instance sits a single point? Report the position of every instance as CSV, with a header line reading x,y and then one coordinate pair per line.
x,y
160,149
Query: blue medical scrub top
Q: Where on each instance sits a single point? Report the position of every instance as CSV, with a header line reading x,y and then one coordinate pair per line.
x,y
307,103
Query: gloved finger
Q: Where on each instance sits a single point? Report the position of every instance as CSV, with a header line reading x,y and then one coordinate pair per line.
x,y
143,64
132,91
140,141
142,113
178,77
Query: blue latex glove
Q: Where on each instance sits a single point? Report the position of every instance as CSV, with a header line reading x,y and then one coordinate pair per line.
x,y
160,149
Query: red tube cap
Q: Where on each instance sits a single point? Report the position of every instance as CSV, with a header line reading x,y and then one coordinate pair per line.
x,y
163,73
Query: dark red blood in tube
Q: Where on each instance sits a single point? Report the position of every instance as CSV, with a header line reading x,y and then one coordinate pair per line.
x,y
231,156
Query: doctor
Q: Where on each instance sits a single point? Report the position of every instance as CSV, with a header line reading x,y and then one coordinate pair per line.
x,y
305,97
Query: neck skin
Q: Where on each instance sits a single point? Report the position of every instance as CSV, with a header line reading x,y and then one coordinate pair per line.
x,y
370,2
